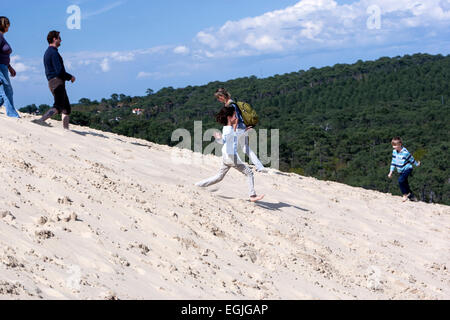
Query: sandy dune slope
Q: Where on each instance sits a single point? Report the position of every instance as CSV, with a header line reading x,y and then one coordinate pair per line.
x,y
93,215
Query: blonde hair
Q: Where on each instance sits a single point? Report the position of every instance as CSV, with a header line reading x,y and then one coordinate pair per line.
x,y
222,92
4,23
397,141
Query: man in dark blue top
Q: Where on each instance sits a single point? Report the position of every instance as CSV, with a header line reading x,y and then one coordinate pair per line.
x,y
56,75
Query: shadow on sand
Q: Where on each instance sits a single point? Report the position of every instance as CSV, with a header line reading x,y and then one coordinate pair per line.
x,y
41,123
224,197
82,133
141,145
268,205
277,206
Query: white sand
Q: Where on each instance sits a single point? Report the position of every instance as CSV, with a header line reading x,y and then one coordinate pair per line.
x,y
97,216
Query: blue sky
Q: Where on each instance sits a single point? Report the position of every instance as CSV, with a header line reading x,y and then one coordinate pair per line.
x,y
127,46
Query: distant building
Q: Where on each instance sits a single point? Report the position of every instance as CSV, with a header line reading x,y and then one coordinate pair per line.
x,y
138,111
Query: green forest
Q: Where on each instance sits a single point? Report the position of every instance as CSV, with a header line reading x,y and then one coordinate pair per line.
x,y
335,123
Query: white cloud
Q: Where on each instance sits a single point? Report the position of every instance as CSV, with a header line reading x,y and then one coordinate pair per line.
x,y
153,50
84,62
208,39
123,56
311,29
104,60
105,65
143,75
102,10
320,23
68,64
158,75
19,66
28,70
181,50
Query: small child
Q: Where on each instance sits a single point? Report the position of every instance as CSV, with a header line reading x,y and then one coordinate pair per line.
x,y
227,117
403,161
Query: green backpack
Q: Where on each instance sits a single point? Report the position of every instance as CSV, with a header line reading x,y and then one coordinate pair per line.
x,y
248,114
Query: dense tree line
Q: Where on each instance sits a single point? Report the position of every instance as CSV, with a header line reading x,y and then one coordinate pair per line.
x,y
336,123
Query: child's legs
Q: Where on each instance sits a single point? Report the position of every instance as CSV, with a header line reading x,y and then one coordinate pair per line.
x,y
407,183
216,179
244,143
403,182
249,173
6,92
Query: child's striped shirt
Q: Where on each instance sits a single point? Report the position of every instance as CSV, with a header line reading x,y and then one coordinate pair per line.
x,y
402,160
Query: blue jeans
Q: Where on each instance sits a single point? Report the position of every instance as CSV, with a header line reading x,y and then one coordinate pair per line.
x,y
403,182
6,92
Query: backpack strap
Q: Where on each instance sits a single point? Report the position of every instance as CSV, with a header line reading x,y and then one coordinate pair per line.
x,y
238,110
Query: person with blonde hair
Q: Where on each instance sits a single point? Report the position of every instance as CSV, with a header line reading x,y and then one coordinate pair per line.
x,y
222,95
403,161
6,90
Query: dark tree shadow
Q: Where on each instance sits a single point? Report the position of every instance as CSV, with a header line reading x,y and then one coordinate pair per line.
x,y
277,206
82,133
